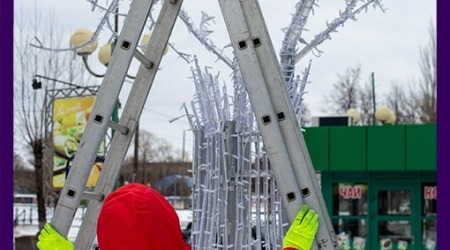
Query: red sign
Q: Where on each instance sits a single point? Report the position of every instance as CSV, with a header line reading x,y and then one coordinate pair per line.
x,y
430,193
350,192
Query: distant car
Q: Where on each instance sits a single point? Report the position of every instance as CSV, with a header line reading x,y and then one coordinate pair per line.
x,y
25,199
185,217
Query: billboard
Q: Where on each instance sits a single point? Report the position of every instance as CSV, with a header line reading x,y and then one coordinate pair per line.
x,y
70,116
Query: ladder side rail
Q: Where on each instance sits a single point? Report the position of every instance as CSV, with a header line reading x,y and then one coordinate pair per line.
x,y
275,83
279,93
261,104
97,125
295,145
130,116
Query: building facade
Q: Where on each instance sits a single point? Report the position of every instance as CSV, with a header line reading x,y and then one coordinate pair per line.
x,y
379,183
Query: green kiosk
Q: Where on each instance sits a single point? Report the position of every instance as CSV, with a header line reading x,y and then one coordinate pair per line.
x,y
379,183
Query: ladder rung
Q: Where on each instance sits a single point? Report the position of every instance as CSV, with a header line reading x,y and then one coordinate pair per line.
x,y
144,60
93,196
122,129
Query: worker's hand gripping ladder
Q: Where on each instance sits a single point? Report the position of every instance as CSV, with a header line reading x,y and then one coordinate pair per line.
x,y
100,118
283,139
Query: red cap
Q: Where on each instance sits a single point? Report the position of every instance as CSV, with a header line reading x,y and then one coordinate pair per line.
x,y
137,217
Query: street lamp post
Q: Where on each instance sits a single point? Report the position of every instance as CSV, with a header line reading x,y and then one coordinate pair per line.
x,y
184,136
37,84
184,142
373,97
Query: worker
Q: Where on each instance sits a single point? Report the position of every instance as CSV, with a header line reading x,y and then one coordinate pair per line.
x,y
137,217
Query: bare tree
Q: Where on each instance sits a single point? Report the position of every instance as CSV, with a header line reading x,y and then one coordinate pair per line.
x,y
403,103
156,149
146,150
427,80
30,104
345,93
165,152
365,104
23,176
413,105
306,115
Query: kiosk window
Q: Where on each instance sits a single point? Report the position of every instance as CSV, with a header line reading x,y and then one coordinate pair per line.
x,y
429,201
349,199
393,202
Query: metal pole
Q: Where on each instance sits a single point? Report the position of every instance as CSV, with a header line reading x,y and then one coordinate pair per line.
x,y
56,80
373,98
136,152
184,141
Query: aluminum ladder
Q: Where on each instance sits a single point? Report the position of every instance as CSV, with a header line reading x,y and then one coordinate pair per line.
x,y
280,130
100,118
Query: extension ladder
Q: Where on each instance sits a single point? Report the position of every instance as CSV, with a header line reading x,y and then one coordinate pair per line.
x,y
100,118
267,92
281,133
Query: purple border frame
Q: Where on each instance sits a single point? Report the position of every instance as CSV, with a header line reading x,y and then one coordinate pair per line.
x,y
443,125
6,126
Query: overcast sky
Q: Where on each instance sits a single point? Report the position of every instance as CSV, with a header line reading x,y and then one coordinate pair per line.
x,y
386,44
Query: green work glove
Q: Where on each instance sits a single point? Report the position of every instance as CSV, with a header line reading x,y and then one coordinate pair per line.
x,y
303,230
50,239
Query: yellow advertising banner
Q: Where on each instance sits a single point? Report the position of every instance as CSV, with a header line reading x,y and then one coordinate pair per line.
x,y
70,116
